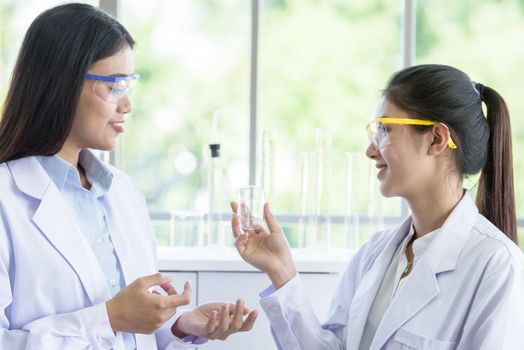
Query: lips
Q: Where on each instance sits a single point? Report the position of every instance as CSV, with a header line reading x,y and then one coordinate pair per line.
x,y
381,169
117,125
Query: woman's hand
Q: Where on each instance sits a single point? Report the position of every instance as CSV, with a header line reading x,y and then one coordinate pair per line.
x,y
215,320
268,252
136,310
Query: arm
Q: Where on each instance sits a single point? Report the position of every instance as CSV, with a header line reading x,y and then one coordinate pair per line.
x,y
87,328
77,330
133,310
496,319
82,329
290,312
294,324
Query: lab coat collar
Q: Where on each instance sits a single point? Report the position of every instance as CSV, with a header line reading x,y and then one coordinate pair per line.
x,y
53,218
445,250
422,286
29,176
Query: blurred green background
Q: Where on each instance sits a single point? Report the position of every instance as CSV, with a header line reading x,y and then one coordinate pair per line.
x,y
322,64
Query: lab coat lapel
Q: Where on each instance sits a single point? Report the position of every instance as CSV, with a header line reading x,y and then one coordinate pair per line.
x,y
365,294
422,285
409,300
54,220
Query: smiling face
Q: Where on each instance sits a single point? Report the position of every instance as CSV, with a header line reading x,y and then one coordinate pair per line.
x,y
97,123
404,166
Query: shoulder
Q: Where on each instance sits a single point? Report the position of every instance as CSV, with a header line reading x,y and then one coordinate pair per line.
x,y
491,248
23,170
4,172
6,181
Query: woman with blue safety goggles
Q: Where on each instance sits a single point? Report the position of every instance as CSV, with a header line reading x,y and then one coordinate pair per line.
x,y
78,265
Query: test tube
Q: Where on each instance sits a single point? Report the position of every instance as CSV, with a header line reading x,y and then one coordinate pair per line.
x,y
351,219
322,225
304,194
267,168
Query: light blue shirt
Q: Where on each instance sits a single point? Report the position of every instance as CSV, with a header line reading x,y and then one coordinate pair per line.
x,y
87,207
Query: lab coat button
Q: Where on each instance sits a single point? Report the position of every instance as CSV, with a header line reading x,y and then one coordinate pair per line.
x,y
99,240
112,282
274,309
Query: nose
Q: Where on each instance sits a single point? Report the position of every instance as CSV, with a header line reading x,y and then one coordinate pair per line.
x,y
372,152
124,105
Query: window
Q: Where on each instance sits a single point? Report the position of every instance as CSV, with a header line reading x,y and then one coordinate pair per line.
x,y
193,61
321,67
330,79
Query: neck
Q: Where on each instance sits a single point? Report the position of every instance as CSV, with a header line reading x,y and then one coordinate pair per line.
x,y
70,155
430,211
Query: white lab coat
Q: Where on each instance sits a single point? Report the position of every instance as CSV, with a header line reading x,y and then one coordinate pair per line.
x,y
52,288
465,292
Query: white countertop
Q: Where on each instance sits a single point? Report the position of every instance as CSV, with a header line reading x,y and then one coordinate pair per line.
x,y
224,259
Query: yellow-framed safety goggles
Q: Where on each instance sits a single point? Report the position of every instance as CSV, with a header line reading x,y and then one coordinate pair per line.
x,y
379,136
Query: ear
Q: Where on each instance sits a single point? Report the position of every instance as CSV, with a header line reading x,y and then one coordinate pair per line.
x,y
440,136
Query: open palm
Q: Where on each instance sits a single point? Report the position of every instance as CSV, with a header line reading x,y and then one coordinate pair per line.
x,y
217,320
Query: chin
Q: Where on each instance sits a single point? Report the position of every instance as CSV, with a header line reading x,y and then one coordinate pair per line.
x,y
109,145
386,190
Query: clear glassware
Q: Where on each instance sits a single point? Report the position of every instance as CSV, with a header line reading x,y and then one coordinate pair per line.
x,y
305,200
185,229
250,211
267,169
322,222
351,217
215,233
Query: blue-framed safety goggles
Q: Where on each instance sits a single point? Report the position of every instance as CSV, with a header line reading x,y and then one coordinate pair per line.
x,y
113,88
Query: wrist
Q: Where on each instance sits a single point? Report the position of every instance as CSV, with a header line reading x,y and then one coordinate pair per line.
x,y
281,275
176,329
112,316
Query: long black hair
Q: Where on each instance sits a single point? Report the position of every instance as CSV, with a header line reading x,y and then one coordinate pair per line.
x,y
59,47
446,94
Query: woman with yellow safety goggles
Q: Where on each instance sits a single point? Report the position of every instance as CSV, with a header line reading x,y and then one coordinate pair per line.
x,y
451,275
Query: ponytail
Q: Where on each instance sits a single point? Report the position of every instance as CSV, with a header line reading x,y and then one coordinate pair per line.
x,y
496,195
